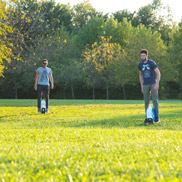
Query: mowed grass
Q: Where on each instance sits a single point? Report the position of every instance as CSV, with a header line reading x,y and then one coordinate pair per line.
x,y
82,140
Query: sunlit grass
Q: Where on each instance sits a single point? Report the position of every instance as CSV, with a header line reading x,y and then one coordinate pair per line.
x,y
89,141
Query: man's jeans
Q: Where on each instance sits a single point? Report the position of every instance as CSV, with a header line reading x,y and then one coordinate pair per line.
x,y
43,91
154,94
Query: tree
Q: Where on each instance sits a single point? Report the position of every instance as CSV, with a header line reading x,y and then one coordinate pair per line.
x,y
71,75
120,15
56,16
5,44
97,28
91,75
94,28
175,50
82,13
63,57
154,15
34,21
121,69
118,31
100,59
18,79
143,38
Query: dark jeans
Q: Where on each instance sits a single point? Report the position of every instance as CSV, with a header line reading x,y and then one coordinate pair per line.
x,y
43,92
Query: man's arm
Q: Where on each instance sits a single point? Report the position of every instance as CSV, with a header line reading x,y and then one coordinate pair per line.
x,y
158,77
36,80
141,80
51,80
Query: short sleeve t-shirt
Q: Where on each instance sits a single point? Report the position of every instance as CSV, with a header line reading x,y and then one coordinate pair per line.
x,y
43,75
147,70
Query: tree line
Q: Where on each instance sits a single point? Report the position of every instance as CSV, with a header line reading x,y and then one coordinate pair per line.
x,y
93,55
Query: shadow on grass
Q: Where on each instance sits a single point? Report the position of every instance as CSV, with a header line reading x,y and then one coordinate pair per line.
x,y
2,117
8,118
167,122
172,120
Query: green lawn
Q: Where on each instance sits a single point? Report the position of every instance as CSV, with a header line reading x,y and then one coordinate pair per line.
x,y
85,140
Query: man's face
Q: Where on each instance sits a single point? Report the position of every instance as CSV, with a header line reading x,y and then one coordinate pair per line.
x,y
44,64
143,57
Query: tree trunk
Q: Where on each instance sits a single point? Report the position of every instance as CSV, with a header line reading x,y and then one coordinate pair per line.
x,y
124,92
180,91
16,92
72,92
93,91
64,95
107,90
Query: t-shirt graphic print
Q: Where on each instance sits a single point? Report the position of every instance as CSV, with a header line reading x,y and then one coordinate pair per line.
x,y
148,72
43,75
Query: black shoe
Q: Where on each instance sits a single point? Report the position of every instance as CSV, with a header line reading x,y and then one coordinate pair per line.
x,y
157,120
146,121
150,121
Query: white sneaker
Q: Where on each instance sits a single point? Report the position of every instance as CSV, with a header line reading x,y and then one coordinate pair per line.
x,y
157,120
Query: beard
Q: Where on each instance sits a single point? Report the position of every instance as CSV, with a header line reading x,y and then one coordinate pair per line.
x,y
144,59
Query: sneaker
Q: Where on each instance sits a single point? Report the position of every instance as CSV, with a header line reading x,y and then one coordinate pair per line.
x,y
150,121
47,111
39,111
146,121
157,120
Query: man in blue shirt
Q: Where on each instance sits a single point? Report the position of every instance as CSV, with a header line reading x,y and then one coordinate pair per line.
x,y
42,77
149,76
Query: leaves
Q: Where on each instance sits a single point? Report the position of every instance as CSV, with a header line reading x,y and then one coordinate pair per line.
x,y
106,49
5,44
98,61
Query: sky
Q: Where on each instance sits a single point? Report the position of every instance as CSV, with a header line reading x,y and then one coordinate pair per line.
x,y
110,6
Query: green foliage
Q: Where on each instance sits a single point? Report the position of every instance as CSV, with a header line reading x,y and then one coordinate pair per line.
x,y
82,13
94,28
5,44
175,50
98,62
98,27
120,15
33,30
154,15
145,38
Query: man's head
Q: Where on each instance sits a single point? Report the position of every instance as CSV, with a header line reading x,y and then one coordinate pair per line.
x,y
44,63
144,55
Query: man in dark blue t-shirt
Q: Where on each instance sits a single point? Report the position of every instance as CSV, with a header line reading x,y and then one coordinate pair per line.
x,y
149,75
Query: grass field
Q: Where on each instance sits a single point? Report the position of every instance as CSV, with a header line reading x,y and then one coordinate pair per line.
x,y
82,140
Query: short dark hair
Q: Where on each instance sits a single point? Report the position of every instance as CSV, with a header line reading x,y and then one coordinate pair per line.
x,y
44,60
144,51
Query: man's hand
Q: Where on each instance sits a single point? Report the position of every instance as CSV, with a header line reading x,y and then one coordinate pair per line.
x,y
36,80
158,76
51,79
142,89
141,80
35,87
156,87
